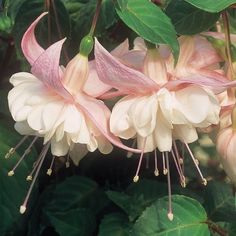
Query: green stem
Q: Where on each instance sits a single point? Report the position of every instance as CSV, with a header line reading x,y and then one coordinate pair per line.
x,y
95,18
228,41
217,229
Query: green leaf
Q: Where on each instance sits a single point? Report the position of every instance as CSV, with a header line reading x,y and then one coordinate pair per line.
x,y
114,224
74,222
140,195
211,5
76,192
131,205
148,20
189,218
11,220
220,202
188,19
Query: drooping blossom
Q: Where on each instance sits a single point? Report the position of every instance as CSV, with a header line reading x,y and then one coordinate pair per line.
x,y
226,146
59,104
163,102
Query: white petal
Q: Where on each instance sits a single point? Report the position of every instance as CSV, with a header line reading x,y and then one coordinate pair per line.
x,y
51,113
150,143
120,122
191,104
23,128
185,133
73,119
163,134
143,114
78,152
35,119
60,148
22,77
104,146
23,113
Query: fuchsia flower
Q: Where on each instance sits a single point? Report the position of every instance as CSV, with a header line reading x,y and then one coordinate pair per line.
x,y
59,104
163,102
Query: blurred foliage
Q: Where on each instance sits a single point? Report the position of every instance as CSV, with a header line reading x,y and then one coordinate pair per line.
x,y
98,197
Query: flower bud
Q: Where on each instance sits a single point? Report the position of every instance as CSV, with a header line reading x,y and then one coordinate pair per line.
x,y
76,74
226,146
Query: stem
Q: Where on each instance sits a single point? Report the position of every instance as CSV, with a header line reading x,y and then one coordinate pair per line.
x,y
228,41
217,229
95,18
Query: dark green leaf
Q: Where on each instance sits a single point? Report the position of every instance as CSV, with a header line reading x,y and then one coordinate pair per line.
x,y
189,218
75,192
148,20
114,224
140,195
74,222
131,205
211,5
188,19
220,202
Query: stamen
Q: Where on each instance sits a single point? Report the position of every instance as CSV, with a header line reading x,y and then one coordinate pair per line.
x,y
147,161
43,155
35,165
136,177
156,171
170,214
178,167
49,171
204,181
12,150
67,161
164,164
130,154
27,151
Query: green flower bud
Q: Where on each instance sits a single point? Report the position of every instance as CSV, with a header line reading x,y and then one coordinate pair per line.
x,y
86,45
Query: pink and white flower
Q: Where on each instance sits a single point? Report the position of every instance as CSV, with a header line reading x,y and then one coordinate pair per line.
x,y
60,105
164,103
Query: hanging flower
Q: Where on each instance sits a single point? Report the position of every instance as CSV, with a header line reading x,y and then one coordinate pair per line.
x,y
165,103
60,104
226,144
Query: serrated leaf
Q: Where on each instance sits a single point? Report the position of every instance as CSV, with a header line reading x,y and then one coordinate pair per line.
x,y
74,222
188,19
10,201
211,5
115,224
148,21
220,202
189,219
